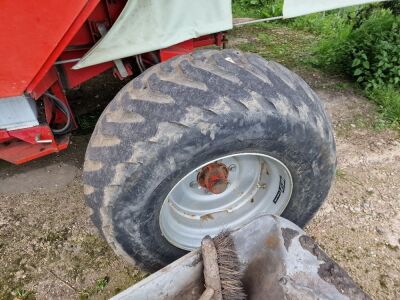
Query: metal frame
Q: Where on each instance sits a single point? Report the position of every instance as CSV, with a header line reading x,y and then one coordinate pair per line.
x,y
56,75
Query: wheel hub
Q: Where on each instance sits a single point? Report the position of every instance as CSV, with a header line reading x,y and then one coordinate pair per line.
x,y
224,193
214,178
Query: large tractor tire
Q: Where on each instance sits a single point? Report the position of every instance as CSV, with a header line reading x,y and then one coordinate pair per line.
x,y
204,142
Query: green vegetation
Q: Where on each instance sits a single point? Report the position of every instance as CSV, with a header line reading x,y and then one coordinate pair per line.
x,y
388,100
276,42
340,174
22,294
361,43
101,283
368,52
257,8
365,46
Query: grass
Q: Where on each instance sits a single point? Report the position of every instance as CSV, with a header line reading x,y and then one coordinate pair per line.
x,y
300,49
388,100
245,9
276,41
101,283
340,174
22,294
240,11
361,42
320,23
99,286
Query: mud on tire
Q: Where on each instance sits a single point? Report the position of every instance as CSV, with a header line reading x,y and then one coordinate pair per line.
x,y
187,111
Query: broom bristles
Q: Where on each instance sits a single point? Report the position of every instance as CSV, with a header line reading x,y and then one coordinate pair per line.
x,y
230,271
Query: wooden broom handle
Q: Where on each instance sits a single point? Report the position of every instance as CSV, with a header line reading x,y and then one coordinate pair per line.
x,y
211,270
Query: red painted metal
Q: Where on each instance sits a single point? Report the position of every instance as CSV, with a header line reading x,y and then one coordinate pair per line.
x,y
72,78
211,39
35,38
178,49
49,109
35,134
188,46
80,37
63,43
4,136
106,12
18,152
24,145
27,41
48,80
214,178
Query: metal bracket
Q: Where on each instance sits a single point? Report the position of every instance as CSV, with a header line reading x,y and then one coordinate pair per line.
x,y
118,62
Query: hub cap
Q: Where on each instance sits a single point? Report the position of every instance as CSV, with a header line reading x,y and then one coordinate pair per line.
x,y
213,178
224,194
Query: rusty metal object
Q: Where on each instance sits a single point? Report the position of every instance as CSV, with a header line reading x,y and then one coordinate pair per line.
x,y
214,177
279,262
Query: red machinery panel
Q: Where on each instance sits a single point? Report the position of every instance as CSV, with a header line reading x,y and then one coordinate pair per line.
x,y
38,39
30,31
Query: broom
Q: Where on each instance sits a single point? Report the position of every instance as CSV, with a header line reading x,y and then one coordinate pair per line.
x,y
222,272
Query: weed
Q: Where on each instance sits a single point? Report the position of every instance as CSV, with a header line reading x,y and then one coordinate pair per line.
x,y
340,174
101,283
342,86
83,295
22,294
56,237
388,100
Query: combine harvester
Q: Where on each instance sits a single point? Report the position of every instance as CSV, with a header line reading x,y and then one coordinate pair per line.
x,y
197,142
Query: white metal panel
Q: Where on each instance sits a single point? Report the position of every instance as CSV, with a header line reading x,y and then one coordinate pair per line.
x,y
295,8
17,113
148,25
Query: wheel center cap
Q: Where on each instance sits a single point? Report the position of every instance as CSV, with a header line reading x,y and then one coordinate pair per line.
x,y
214,177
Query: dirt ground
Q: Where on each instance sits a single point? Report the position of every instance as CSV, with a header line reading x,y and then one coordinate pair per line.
x,y
50,250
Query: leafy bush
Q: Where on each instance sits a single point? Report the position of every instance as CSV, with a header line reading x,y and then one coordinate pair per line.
x,y
394,6
375,47
251,3
370,53
367,47
362,42
257,8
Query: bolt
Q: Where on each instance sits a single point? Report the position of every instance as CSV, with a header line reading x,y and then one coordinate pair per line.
x,y
232,168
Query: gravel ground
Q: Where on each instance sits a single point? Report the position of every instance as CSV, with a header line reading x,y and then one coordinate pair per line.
x,y
50,250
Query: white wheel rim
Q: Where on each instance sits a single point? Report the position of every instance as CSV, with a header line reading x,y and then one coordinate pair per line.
x,y
258,184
